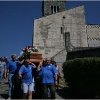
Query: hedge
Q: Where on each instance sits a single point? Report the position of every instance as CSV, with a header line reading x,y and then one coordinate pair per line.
x,y
83,75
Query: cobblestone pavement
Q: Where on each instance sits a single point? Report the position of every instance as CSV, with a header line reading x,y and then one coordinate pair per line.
x,y
60,93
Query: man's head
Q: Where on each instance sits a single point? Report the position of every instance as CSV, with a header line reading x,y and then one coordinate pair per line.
x,y
2,59
44,61
48,60
54,63
13,56
26,61
5,58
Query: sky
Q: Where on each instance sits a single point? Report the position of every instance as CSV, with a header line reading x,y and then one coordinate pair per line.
x,y
17,18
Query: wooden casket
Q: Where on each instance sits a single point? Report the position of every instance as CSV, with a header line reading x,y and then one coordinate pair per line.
x,y
35,57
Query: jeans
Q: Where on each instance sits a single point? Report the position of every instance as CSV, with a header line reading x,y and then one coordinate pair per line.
x,y
1,74
11,79
51,86
48,92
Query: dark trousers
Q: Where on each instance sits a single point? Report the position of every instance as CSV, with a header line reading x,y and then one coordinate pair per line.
x,y
17,88
38,86
14,90
51,86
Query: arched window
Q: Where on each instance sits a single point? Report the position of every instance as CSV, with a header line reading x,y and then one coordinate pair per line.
x,y
51,9
54,9
67,39
57,8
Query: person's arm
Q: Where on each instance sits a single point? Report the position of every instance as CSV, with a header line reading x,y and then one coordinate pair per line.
x,y
33,65
20,75
6,69
58,70
56,74
21,70
38,68
56,79
20,62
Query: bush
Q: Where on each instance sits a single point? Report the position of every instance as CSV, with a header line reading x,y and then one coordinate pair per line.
x,y
83,75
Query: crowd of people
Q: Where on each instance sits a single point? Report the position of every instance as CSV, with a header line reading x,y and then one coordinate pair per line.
x,y
27,78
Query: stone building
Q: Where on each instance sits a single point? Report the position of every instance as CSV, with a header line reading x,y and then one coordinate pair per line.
x,y
60,30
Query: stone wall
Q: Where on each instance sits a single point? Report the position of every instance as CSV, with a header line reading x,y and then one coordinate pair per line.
x,y
78,29
47,31
93,31
93,42
93,34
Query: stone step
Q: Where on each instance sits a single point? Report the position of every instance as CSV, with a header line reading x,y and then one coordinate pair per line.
x,y
4,90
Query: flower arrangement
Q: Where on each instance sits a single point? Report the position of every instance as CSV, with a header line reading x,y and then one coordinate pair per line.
x,y
26,51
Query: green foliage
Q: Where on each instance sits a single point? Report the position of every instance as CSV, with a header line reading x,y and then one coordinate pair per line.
x,y
83,75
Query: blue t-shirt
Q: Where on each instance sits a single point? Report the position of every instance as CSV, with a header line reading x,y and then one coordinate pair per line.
x,y
18,66
12,66
26,73
2,65
48,72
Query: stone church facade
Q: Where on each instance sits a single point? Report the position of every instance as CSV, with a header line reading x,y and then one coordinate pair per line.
x,y
59,30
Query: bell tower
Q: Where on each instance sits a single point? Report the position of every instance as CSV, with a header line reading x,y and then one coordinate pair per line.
x,y
52,6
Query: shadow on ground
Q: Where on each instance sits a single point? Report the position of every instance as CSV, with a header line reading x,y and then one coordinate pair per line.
x,y
14,95
4,96
6,83
67,93
64,92
18,95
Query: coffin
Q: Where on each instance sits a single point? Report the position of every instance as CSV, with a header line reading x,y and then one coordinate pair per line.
x,y
35,57
36,60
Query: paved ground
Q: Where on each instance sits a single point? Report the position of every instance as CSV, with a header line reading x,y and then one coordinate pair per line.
x,y
60,93
3,89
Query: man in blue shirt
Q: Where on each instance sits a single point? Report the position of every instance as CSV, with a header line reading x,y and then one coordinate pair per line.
x,y
2,67
25,73
12,67
38,81
48,73
17,85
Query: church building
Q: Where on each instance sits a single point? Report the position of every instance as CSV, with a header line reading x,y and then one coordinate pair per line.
x,y
60,30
